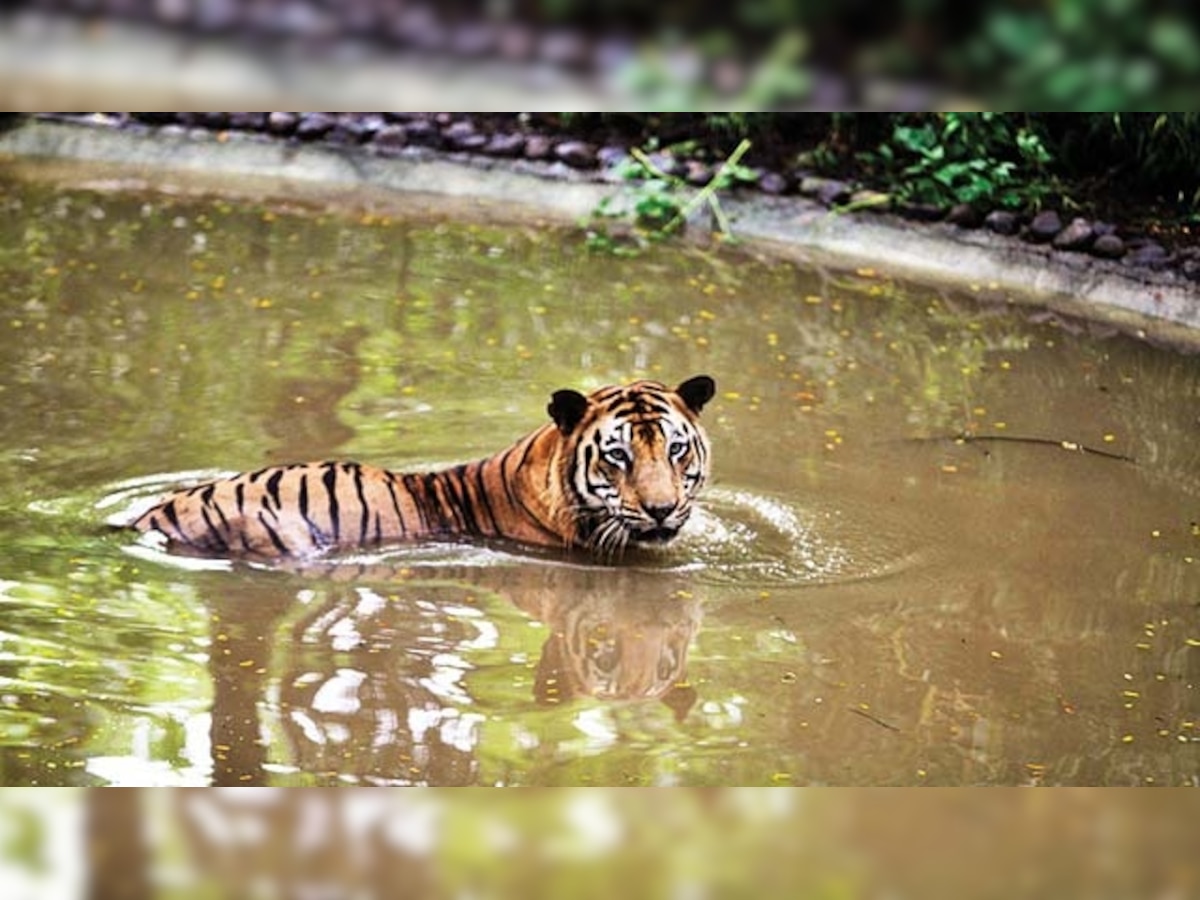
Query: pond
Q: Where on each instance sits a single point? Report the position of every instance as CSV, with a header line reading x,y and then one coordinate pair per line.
x,y
948,540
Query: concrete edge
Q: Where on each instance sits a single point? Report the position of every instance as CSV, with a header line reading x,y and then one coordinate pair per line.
x,y
1159,306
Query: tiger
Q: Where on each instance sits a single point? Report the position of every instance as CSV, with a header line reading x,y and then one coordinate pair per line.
x,y
617,467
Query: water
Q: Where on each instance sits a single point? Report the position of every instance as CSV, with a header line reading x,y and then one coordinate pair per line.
x,y
863,599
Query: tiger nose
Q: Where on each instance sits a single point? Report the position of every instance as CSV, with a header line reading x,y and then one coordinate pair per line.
x,y
659,511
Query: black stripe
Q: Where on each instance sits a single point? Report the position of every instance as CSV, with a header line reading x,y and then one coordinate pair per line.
x,y
411,484
273,535
440,504
365,521
257,474
173,517
318,536
330,481
214,534
216,507
273,487
465,500
390,482
206,494
482,495
239,494
378,530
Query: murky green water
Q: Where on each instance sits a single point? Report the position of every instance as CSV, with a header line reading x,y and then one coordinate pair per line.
x,y
863,601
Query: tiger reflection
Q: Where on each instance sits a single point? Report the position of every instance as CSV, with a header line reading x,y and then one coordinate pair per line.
x,y
615,648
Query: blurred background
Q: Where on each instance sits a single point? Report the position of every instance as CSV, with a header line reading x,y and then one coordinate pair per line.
x,y
614,54
584,843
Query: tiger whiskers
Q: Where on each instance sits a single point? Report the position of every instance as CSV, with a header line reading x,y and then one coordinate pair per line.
x,y
609,540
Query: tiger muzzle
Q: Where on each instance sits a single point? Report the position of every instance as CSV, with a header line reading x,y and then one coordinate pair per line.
x,y
663,525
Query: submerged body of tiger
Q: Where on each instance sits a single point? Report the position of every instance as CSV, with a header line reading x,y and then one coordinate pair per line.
x,y
622,464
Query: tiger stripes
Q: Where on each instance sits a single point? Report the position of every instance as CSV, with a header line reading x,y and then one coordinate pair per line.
x,y
622,464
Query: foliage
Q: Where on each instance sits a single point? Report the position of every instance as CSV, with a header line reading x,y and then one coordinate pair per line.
x,y
659,205
1154,153
979,158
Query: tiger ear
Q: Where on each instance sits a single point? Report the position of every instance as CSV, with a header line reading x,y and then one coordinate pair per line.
x,y
566,408
697,391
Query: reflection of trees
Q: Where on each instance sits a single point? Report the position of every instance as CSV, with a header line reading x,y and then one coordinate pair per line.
x,y
374,677
117,856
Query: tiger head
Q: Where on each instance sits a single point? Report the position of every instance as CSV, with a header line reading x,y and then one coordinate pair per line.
x,y
635,457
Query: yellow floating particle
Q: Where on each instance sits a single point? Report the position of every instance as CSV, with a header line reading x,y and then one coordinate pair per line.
x,y
732,395
866,272
996,654
1005,364
949,469
1134,695
780,777
1109,438
921,773
1127,739
1142,645
1155,533
263,303
999,426
706,314
246,663
1192,642
813,300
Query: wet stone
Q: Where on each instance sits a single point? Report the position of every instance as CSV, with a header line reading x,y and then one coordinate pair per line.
x,y
667,163
773,183
391,138
1109,246
248,121
828,190
697,173
463,136
921,212
509,145
424,133
314,125
538,146
282,123
1001,221
576,154
964,215
1044,227
611,156
1076,236
1150,254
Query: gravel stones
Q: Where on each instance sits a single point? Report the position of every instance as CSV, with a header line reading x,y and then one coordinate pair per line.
x,y
1001,221
539,138
1077,236
1108,246
576,154
1044,227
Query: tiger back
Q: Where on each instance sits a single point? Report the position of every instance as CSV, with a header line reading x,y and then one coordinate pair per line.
x,y
622,465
